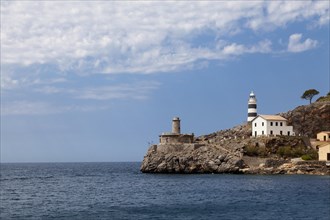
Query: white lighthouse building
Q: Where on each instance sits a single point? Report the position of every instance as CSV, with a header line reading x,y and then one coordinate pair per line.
x,y
252,107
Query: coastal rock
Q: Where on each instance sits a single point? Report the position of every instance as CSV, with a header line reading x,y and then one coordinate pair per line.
x,y
186,158
234,151
290,167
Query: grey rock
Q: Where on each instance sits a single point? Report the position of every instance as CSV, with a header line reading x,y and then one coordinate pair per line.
x,y
188,159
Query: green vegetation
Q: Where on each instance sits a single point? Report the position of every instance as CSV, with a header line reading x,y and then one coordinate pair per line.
x,y
303,152
283,152
255,151
306,157
324,98
309,94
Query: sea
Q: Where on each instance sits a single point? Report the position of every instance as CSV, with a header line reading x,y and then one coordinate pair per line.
x,y
121,191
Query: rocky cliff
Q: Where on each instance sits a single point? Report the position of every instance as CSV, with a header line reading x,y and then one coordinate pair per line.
x,y
191,158
233,151
308,120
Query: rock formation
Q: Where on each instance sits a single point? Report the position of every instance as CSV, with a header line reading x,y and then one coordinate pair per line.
x,y
308,120
234,151
293,166
191,158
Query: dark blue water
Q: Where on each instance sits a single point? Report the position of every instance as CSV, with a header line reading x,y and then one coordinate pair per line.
x,y
120,191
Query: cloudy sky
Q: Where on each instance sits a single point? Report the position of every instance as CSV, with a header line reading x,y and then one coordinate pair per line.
x,y
100,80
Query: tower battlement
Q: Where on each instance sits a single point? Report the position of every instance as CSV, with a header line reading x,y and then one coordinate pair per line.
x,y
175,136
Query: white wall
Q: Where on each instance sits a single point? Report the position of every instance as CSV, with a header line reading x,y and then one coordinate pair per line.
x,y
261,126
323,152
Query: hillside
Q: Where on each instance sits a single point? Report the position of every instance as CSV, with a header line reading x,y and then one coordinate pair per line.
x,y
324,98
234,151
308,120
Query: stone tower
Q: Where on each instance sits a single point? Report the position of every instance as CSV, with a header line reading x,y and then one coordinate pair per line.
x,y
252,107
176,125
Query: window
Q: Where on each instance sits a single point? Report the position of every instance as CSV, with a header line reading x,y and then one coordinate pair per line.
x,y
262,124
271,132
255,133
271,123
276,123
281,123
255,124
263,132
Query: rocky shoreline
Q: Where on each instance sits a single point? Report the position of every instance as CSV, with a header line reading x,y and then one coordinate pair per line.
x,y
198,159
235,151
273,166
190,158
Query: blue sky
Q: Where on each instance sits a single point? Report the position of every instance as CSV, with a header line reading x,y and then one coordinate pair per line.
x,y
85,81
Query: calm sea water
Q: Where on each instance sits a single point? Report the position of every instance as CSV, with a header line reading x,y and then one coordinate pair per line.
x,y
120,191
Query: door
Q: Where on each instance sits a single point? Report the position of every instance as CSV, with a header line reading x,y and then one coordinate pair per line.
x,y
328,156
324,138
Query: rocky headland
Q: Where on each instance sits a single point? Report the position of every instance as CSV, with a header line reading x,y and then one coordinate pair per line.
x,y
234,151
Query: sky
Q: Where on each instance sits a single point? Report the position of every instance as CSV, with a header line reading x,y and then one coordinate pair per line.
x,y
98,81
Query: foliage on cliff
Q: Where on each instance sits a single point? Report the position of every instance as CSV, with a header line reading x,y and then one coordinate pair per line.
x,y
309,94
324,98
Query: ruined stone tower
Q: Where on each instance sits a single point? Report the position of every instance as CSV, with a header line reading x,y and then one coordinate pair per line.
x,y
176,125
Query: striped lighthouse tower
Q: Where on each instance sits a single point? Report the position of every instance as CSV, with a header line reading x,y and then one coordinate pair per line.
x,y
252,107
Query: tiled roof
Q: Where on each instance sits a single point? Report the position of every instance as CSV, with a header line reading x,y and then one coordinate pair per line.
x,y
273,117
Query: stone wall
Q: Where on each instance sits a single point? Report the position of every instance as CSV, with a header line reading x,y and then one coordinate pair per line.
x,y
171,138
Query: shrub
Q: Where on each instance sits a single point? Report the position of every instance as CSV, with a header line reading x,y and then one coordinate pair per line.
x,y
251,150
306,157
299,151
284,151
313,154
255,151
262,152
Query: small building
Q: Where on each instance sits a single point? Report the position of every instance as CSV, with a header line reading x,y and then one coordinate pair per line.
x,y
323,136
324,152
175,136
270,125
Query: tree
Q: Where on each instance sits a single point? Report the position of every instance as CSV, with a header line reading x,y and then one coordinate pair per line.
x,y
309,94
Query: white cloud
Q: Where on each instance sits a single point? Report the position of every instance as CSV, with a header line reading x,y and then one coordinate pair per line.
x,y
280,13
296,45
14,81
137,90
27,108
238,49
137,37
132,91
140,90
44,108
44,43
